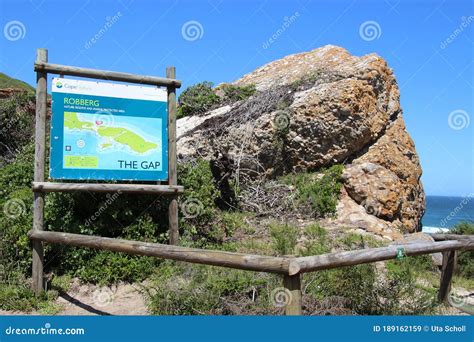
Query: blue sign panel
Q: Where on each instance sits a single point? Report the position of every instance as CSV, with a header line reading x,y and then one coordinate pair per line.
x,y
105,131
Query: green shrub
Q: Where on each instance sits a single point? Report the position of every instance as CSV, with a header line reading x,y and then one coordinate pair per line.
x,y
16,124
463,228
113,215
233,93
370,293
201,97
321,193
197,99
186,289
197,204
125,216
363,288
465,260
19,297
317,241
402,293
110,267
284,238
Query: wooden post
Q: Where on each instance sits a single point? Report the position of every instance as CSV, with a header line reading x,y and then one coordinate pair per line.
x,y
172,163
447,270
293,285
40,142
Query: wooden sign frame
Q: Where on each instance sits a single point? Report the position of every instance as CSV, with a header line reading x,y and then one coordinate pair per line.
x,y
41,187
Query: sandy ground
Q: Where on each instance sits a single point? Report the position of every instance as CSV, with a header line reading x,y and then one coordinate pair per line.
x,y
122,299
87,299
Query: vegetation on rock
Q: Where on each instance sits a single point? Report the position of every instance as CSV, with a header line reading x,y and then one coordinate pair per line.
x,y
321,191
201,97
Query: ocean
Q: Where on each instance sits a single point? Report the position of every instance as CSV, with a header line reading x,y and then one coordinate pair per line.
x,y
443,212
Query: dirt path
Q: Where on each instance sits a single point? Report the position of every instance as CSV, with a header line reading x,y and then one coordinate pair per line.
x,y
88,299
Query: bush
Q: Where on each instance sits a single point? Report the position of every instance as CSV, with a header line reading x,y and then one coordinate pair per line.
x,y
82,213
20,298
201,97
321,193
16,295
16,124
370,293
110,267
233,93
197,204
197,99
185,289
465,260
362,288
125,216
317,241
284,238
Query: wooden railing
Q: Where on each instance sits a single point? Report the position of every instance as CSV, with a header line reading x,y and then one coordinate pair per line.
x,y
290,268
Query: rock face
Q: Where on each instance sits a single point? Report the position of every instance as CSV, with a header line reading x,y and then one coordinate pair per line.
x,y
315,109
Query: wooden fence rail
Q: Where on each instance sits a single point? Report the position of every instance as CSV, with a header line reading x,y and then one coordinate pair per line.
x,y
290,267
364,256
259,263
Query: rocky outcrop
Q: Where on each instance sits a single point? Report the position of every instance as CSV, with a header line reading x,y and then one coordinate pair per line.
x,y
315,109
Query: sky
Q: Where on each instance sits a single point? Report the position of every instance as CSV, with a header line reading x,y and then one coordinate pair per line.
x,y
428,44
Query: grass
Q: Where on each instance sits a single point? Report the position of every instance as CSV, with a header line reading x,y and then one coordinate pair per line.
x,y
184,289
322,193
465,259
17,297
466,283
284,238
9,82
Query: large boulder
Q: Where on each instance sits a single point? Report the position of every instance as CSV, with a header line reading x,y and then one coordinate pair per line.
x,y
313,110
